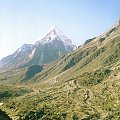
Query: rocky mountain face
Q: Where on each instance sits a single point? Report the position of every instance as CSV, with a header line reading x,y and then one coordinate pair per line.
x,y
46,50
17,57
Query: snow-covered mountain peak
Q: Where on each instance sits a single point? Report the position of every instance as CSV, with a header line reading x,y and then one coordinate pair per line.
x,y
55,34
54,27
58,32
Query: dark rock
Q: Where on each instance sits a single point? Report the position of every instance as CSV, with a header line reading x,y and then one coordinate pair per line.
x,y
32,71
4,116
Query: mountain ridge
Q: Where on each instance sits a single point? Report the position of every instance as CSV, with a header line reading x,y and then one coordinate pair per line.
x,y
54,42
81,85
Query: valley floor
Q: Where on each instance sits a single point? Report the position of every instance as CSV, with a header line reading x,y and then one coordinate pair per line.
x,y
66,100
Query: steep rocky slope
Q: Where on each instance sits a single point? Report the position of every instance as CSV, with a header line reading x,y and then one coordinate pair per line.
x,y
52,46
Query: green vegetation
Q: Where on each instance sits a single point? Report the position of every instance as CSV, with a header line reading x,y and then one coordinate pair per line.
x,y
32,70
82,85
7,92
94,78
4,116
78,57
115,56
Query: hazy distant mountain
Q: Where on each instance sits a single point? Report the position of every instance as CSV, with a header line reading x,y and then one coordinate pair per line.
x,y
48,49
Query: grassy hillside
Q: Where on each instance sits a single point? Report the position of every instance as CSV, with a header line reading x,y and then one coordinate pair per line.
x,y
82,85
92,95
4,116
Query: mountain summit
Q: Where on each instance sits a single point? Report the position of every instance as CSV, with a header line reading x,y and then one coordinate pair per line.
x,y
53,45
56,34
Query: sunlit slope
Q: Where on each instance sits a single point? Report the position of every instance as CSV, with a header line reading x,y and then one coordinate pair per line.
x,y
87,57
82,85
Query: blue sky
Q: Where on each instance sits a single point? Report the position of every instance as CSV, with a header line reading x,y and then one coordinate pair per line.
x,y
26,21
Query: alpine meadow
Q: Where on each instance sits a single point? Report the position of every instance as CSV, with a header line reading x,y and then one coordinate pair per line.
x,y
55,78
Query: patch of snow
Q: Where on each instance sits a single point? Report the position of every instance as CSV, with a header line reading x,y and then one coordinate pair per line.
x,y
41,58
33,51
19,49
56,34
24,48
59,53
